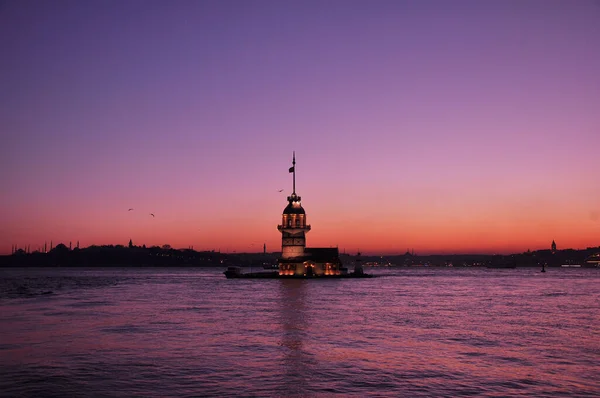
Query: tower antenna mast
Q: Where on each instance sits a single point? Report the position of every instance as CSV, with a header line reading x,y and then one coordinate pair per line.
x,y
294,171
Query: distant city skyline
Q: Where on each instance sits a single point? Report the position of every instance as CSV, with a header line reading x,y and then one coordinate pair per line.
x,y
443,127
49,247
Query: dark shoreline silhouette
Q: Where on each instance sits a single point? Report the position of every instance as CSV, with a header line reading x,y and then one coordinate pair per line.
x,y
132,256
166,256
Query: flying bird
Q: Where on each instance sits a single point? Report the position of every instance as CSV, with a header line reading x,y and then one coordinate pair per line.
x,y
281,190
152,214
129,209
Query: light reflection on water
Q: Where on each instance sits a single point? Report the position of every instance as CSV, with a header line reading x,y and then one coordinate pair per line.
x,y
191,332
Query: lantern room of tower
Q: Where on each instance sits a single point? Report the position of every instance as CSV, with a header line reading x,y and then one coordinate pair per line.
x,y
293,218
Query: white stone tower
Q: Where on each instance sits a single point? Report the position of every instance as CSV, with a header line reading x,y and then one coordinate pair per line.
x,y
293,223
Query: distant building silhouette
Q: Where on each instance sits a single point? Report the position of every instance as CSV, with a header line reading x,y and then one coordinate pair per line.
x,y
553,246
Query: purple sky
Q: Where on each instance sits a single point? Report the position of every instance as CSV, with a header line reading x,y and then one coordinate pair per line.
x,y
438,125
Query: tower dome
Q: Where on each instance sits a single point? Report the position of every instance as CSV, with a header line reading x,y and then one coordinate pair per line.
x,y
294,206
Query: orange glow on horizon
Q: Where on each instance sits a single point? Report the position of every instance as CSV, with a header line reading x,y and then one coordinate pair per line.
x,y
422,236
374,220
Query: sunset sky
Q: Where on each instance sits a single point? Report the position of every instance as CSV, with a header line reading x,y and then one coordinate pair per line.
x,y
443,126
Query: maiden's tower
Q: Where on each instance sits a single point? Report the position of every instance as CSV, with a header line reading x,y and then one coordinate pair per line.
x,y
297,259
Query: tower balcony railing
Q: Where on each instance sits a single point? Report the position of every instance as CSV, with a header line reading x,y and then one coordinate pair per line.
x,y
293,227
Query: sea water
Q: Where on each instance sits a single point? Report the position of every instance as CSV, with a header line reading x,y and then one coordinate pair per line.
x,y
191,332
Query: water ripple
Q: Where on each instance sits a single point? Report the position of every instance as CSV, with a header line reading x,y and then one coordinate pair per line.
x,y
191,332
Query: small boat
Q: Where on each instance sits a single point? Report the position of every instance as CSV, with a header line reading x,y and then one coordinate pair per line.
x,y
233,272
593,260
